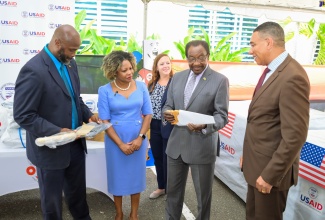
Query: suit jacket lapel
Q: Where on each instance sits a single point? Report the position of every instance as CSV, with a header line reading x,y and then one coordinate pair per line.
x,y
54,72
201,84
164,97
269,81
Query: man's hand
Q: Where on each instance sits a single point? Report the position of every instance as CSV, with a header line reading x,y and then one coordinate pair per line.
x,y
263,186
94,118
196,128
66,130
169,117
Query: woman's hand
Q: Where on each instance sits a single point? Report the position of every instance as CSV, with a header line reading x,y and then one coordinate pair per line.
x,y
136,143
126,148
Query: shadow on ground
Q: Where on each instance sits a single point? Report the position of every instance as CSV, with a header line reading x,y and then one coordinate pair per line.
x,y
226,205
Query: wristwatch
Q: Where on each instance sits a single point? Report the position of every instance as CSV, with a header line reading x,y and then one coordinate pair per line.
x,y
142,135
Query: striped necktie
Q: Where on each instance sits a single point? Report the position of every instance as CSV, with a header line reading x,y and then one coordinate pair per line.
x,y
71,93
189,90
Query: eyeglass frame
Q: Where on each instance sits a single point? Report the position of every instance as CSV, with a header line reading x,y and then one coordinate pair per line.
x,y
198,59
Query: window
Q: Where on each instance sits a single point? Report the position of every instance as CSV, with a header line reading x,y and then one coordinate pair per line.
x,y
317,48
220,24
110,15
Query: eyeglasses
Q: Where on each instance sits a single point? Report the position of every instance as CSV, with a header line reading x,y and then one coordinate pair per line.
x,y
200,59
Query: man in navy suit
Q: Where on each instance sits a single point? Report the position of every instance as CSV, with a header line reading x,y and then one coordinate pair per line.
x,y
47,101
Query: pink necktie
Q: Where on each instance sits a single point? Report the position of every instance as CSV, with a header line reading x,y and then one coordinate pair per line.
x,y
261,80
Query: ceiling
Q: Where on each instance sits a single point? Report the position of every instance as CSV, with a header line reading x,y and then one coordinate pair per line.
x,y
301,11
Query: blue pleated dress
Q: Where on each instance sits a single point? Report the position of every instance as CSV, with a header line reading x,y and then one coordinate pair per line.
x,y
126,174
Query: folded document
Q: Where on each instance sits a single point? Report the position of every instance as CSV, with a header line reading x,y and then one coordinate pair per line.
x,y
182,118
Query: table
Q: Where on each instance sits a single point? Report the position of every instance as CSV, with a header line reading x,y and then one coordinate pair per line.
x,y
306,200
18,174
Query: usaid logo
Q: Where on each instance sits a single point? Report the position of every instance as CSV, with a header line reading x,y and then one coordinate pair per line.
x,y
28,51
10,60
31,170
310,199
26,14
7,90
9,42
227,148
27,33
91,105
52,7
25,51
37,33
313,193
8,23
53,25
8,3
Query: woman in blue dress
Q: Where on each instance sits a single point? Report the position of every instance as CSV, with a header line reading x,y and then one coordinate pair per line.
x,y
125,104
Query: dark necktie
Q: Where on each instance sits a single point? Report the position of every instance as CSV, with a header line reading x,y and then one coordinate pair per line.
x,y
69,88
261,80
189,89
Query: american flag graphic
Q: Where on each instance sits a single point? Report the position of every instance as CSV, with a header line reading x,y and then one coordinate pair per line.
x,y
312,164
227,130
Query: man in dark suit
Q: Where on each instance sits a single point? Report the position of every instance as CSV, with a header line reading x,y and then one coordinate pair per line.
x,y
277,125
47,101
201,90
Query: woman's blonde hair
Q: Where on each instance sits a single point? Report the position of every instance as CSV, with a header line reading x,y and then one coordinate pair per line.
x,y
113,62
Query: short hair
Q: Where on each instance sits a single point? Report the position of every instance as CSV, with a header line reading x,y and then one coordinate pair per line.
x,y
113,62
196,43
272,29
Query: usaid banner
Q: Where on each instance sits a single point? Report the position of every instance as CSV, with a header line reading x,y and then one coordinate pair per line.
x,y
25,27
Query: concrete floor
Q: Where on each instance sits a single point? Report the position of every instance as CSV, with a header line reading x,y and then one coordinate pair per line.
x,y
226,205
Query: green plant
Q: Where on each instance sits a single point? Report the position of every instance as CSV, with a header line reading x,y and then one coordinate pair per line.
x,y
133,45
98,45
94,44
84,32
308,29
221,52
180,46
288,32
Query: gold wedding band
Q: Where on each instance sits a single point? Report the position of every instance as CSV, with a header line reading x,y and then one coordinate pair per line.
x,y
263,191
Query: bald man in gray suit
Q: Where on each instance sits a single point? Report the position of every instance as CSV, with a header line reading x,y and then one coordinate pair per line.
x,y
202,90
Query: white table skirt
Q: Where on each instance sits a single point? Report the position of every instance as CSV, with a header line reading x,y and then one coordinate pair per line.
x,y
18,174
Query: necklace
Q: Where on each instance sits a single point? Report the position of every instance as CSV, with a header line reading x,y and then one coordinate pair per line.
x,y
120,87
